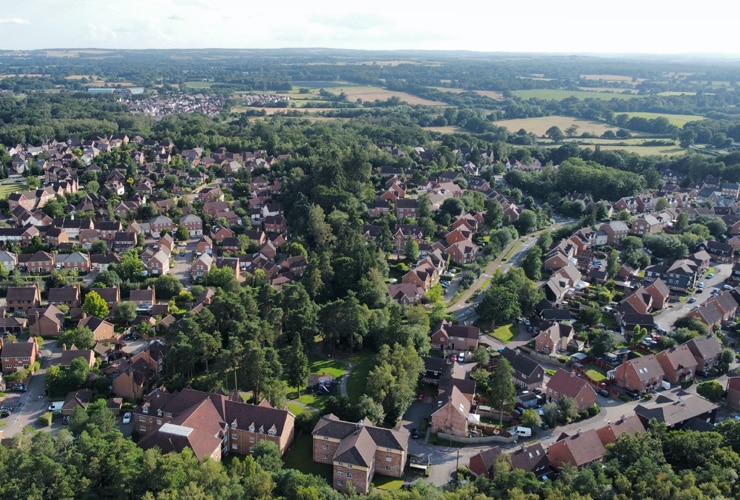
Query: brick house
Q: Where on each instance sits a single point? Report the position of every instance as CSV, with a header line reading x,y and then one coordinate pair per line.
x,y
554,338
212,424
526,372
72,353
463,252
733,393
111,295
40,262
454,414
407,208
19,355
578,450
68,296
565,383
201,266
706,351
204,245
357,451
615,230
145,297
640,374
136,379
678,364
445,335
101,329
193,224
75,261
45,322
23,297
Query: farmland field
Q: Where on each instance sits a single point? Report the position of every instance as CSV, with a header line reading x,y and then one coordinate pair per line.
x,y
493,94
559,95
677,120
449,129
539,125
373,93
612,78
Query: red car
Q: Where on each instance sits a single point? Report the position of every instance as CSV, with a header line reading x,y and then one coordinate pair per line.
x,y
453,357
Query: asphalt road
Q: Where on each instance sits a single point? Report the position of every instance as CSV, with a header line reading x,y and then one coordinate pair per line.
x,y
675,310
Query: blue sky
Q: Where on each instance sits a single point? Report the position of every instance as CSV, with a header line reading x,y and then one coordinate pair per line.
x,y
576,26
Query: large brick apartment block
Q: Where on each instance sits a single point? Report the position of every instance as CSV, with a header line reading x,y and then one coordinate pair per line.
x,y
358,451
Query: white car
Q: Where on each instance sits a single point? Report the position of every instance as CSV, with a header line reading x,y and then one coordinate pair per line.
x,y
127,417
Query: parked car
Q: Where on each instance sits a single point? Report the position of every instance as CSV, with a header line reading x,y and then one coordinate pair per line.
x,y
65,420
710,276
415,434
727,287
692,300
603,392
127,417
634,394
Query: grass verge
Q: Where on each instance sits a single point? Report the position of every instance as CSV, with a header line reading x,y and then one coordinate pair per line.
x,y
363,363
301,458
505,333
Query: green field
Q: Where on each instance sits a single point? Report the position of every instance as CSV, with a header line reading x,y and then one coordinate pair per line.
x,y
559,95
7,189
677,120
363,363
330,367
506,332
301,458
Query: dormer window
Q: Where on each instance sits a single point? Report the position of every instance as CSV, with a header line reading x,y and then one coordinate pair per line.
x,y
233,424
271,432
251,428
145,409
159,413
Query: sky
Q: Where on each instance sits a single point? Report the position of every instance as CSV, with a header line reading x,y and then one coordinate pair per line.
x,y
569,26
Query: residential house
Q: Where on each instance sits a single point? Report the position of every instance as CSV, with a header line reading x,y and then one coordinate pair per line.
x,y
193,224
68,296
565,383
204,245
13,325
447,336
143,298
678,364
71,353
679,276
19,355
554,338
407,208
75,261
136,379
111,295
23,298
159,263
676,408
615,230
8,260
579,450
201,266
211,424
357,451
40,262
462,252
733,393
101,329
405,293
659,292
646,224
526,372
454,414
101,262
640,374
75,399
159,223
625,425
706,351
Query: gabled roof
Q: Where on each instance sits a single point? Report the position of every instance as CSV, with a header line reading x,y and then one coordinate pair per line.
x,y
674,407
705,347
578,450
625,425
520,362
567,384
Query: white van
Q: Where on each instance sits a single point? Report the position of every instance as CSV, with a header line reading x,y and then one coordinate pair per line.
x,y
520,431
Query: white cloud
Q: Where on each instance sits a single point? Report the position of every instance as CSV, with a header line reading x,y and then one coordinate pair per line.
x,y
14,20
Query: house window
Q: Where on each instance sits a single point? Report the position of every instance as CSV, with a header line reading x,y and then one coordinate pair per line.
x,y
251,440
326,457
142,418
325,447
142,428
387,467
234,446
340,473
340,483
251,449
349,475
349,466
388,459
234,436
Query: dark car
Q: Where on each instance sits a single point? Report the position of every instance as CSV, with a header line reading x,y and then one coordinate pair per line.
x,y
603,392
634,394
415,434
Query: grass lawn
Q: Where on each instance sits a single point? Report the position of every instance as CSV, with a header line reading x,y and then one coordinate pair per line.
x,y
330,367
313,401
363,363
506,332
296,409
301,458
387,483
596,373
7,189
